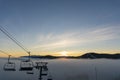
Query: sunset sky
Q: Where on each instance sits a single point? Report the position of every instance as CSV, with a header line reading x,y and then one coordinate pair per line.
x,y
60,27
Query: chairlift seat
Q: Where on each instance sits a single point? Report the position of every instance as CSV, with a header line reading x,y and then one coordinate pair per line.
x,y
49,79
9,69
44,74
9,66
30,72
26,66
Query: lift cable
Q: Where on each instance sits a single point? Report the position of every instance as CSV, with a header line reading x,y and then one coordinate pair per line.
x,y
13,39
26,65
7,54
4,52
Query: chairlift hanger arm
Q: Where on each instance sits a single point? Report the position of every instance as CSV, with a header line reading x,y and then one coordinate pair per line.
x,y
7,55
13,39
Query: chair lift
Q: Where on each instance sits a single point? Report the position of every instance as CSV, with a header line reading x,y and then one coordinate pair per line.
x,y
44,68
49,77
9,66
44,73
26,65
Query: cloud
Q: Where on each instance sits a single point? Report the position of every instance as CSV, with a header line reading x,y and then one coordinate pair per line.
x,y
75,38
101,34
56,40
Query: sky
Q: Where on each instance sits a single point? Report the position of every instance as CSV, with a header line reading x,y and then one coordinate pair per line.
x,y
60,27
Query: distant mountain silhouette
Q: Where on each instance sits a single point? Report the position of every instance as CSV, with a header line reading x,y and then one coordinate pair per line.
x,y
90,55
93,55
43,57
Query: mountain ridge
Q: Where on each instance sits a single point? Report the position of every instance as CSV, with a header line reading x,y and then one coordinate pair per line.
x,y
90,55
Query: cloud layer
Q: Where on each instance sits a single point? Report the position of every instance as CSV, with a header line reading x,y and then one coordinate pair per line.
x,y
75,38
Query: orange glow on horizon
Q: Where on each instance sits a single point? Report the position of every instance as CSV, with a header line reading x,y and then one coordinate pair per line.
x,y
61,53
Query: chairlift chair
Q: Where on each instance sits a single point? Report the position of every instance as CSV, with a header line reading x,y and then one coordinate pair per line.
x,y
45,68
41,64
9,66
26,65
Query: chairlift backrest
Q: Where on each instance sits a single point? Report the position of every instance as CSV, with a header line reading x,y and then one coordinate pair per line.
x,y
26,65
9,66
